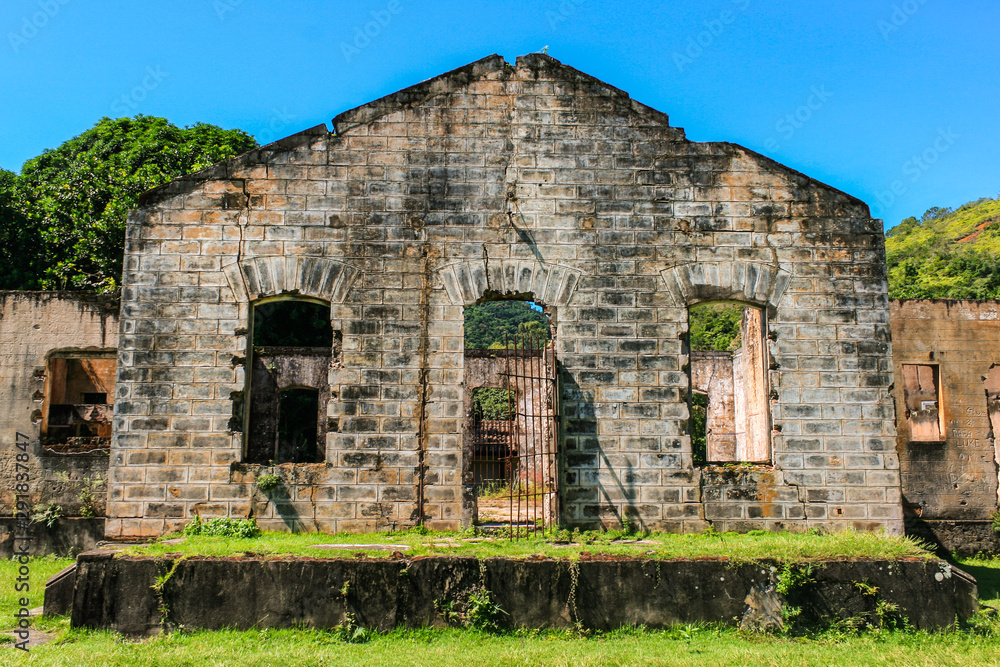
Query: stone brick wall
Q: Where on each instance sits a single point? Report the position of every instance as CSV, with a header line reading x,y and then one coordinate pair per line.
x,y
954,480
33,325
496,179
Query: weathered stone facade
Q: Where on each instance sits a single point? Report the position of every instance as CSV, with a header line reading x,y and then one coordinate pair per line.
x,y
38,330
950,482
498,180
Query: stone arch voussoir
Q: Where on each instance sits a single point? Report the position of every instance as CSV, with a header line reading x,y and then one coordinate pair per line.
x,y
467,282
318,277
760,284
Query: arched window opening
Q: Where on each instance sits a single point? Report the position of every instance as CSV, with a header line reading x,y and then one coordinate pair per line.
x,y
730,419
293,347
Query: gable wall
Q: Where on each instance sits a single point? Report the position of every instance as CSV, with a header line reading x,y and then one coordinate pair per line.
x,y
536,179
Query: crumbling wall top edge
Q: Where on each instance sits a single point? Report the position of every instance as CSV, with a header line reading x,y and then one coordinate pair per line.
x,y
447,82
225,169
774,165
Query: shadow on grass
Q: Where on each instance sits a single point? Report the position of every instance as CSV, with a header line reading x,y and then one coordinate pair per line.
x,y
987,574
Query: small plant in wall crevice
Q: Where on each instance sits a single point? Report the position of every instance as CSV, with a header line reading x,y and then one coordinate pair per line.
x,y
47,513
268,482
88,490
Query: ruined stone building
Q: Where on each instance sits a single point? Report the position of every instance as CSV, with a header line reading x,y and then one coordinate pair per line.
x,y
298,311
532,181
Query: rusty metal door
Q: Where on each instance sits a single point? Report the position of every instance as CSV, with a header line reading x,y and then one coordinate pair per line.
x,y
531,465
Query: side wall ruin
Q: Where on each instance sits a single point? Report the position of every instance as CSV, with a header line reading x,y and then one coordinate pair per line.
x,y
37,328
949,480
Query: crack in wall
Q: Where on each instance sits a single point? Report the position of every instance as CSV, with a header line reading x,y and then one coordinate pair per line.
x,y
513,210
486,263
242,228
422,433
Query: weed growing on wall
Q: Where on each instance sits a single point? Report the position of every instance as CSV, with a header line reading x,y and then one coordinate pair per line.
x,y
223,527
159,584
87,490
47,513
268,482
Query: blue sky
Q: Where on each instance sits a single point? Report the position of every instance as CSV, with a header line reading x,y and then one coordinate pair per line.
x,y
893,101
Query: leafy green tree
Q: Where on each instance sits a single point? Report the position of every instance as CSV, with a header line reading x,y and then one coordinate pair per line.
x,y
75,198
20,244
533,328
935,213
493,402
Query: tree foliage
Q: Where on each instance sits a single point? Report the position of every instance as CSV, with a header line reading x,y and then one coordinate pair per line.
x,y
488,325
20,244
493,402
715,326
953,254
71,202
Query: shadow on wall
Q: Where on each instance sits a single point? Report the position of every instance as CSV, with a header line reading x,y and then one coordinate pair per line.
x,y
280,499
608,500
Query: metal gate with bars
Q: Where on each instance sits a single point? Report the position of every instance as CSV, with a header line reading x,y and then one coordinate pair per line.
x,y
514,461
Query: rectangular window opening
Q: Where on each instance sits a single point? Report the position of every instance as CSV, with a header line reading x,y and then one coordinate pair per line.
x,y
76,411
699,427
922,399
729,410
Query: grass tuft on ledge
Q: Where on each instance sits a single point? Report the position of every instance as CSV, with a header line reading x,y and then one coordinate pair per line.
x,y
752,546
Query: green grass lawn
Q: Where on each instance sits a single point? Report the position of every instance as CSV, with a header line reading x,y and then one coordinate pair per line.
x,y
755,545
688,645
977,644
40,569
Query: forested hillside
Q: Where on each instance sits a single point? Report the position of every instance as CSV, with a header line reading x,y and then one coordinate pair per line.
x,y
488,325
947,254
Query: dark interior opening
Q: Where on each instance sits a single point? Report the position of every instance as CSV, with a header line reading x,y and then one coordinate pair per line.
x,y
293,347
699,427
292,324
92,398
298,417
